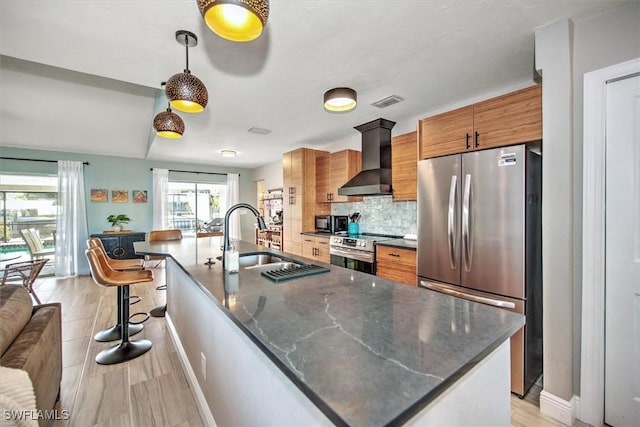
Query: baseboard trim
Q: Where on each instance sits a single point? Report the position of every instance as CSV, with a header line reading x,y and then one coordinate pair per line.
x,y
557,408
203,406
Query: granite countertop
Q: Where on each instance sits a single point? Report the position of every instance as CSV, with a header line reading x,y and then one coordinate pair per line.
x,y
365,350
399,243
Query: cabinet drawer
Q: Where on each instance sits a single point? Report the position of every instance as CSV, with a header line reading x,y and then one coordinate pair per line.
x,y
387,254
397,273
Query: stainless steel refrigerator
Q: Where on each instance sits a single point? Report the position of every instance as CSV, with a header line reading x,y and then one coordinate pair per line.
x,y
479,238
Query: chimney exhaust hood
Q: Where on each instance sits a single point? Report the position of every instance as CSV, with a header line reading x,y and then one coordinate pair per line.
x,y
375,177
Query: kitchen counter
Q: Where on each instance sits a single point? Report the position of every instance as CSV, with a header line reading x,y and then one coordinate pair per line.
x,y
399,243
362,349
311,233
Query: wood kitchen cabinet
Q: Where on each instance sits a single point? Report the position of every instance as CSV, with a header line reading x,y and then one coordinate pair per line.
x,y
509,119
397,264
315,247
299,205
333,170
404,166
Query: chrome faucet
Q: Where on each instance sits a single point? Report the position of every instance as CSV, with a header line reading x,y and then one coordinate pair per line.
x,y
261,224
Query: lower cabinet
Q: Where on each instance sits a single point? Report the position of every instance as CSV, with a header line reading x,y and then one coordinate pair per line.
x,y
120,246
397,264
316,248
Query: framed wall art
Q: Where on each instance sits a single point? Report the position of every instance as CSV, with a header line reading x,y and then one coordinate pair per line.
x,y
139,196
119,196
99,194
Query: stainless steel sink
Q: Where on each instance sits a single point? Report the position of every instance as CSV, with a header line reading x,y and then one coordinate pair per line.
x,y
266,260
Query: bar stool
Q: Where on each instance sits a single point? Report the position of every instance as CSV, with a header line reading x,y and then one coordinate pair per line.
x,y
162,236
104,275
114,333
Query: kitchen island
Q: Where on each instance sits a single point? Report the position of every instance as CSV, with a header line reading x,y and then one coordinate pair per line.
x,y
340,347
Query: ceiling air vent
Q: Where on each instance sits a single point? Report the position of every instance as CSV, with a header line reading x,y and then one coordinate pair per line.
x,y
259,131
389,100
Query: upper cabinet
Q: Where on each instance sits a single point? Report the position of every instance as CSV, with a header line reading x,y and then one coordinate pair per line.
x,y
333,170
506,120
404,166
446,133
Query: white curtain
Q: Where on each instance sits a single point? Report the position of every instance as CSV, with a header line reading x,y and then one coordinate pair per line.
x,y
71,234
233,196
160,197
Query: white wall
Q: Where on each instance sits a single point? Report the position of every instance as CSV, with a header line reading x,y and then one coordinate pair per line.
x,y
566,51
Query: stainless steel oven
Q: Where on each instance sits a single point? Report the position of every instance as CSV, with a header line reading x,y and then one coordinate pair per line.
x,y
355,253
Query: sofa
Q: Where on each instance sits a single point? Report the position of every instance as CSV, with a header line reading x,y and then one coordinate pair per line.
x,y
31,340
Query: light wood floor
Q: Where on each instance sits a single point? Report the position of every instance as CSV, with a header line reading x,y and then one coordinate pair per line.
x,y
152,389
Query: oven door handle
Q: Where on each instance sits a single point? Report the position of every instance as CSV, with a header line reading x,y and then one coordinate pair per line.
x,y
351,254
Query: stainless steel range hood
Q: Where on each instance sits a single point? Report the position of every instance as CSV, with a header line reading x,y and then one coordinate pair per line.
x,y
375,177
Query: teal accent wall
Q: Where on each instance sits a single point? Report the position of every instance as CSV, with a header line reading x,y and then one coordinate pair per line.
x,y
115,173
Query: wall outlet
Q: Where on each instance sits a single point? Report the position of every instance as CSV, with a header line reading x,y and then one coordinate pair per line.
x,y
203,366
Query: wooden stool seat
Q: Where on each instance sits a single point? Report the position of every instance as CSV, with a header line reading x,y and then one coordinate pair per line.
x,y
104,275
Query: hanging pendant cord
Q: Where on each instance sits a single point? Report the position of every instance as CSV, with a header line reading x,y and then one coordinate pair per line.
x,y
186,46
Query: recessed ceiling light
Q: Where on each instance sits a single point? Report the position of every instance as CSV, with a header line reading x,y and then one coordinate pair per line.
x,y
228,153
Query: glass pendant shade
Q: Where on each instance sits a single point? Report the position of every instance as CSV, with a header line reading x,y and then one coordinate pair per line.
x,y
340,99
187,93
168,125
235,20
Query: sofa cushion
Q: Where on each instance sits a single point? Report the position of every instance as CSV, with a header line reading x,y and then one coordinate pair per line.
x,y
15,312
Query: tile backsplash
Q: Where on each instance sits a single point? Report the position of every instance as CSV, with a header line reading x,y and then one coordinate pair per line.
x,y
381,215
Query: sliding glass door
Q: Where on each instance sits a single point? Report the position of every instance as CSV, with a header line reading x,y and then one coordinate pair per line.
x,y
195,206
27,202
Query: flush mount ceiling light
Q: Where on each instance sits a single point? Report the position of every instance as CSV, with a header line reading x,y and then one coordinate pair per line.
x,y
185,91
168,124
228,153
340,99
235,20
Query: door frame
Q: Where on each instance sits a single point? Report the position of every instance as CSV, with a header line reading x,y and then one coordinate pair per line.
x,y
591,409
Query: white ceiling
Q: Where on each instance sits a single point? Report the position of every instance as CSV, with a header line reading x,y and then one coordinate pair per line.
x,y
83,76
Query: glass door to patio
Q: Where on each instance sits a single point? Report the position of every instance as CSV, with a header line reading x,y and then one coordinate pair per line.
x,y
27,202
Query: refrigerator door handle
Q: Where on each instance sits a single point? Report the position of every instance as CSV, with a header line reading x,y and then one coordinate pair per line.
x,y
453,189
467,251
476,298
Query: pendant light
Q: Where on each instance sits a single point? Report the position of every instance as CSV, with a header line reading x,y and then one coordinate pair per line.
x,y
185,91
168,124
340,99
235,20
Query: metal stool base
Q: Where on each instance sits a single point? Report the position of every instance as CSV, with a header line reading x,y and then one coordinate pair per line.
x,y
123,352
159,311
115,333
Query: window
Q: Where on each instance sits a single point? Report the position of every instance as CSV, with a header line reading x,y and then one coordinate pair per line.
x,y
27,201
195,205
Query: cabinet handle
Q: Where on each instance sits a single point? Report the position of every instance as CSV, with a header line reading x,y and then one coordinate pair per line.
x,y
467,140
395,255
328,197
477,143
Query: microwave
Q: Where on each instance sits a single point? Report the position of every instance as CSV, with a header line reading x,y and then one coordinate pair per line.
x,y
331,223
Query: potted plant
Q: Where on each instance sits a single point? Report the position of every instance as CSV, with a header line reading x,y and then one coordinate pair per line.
x,y
117,221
